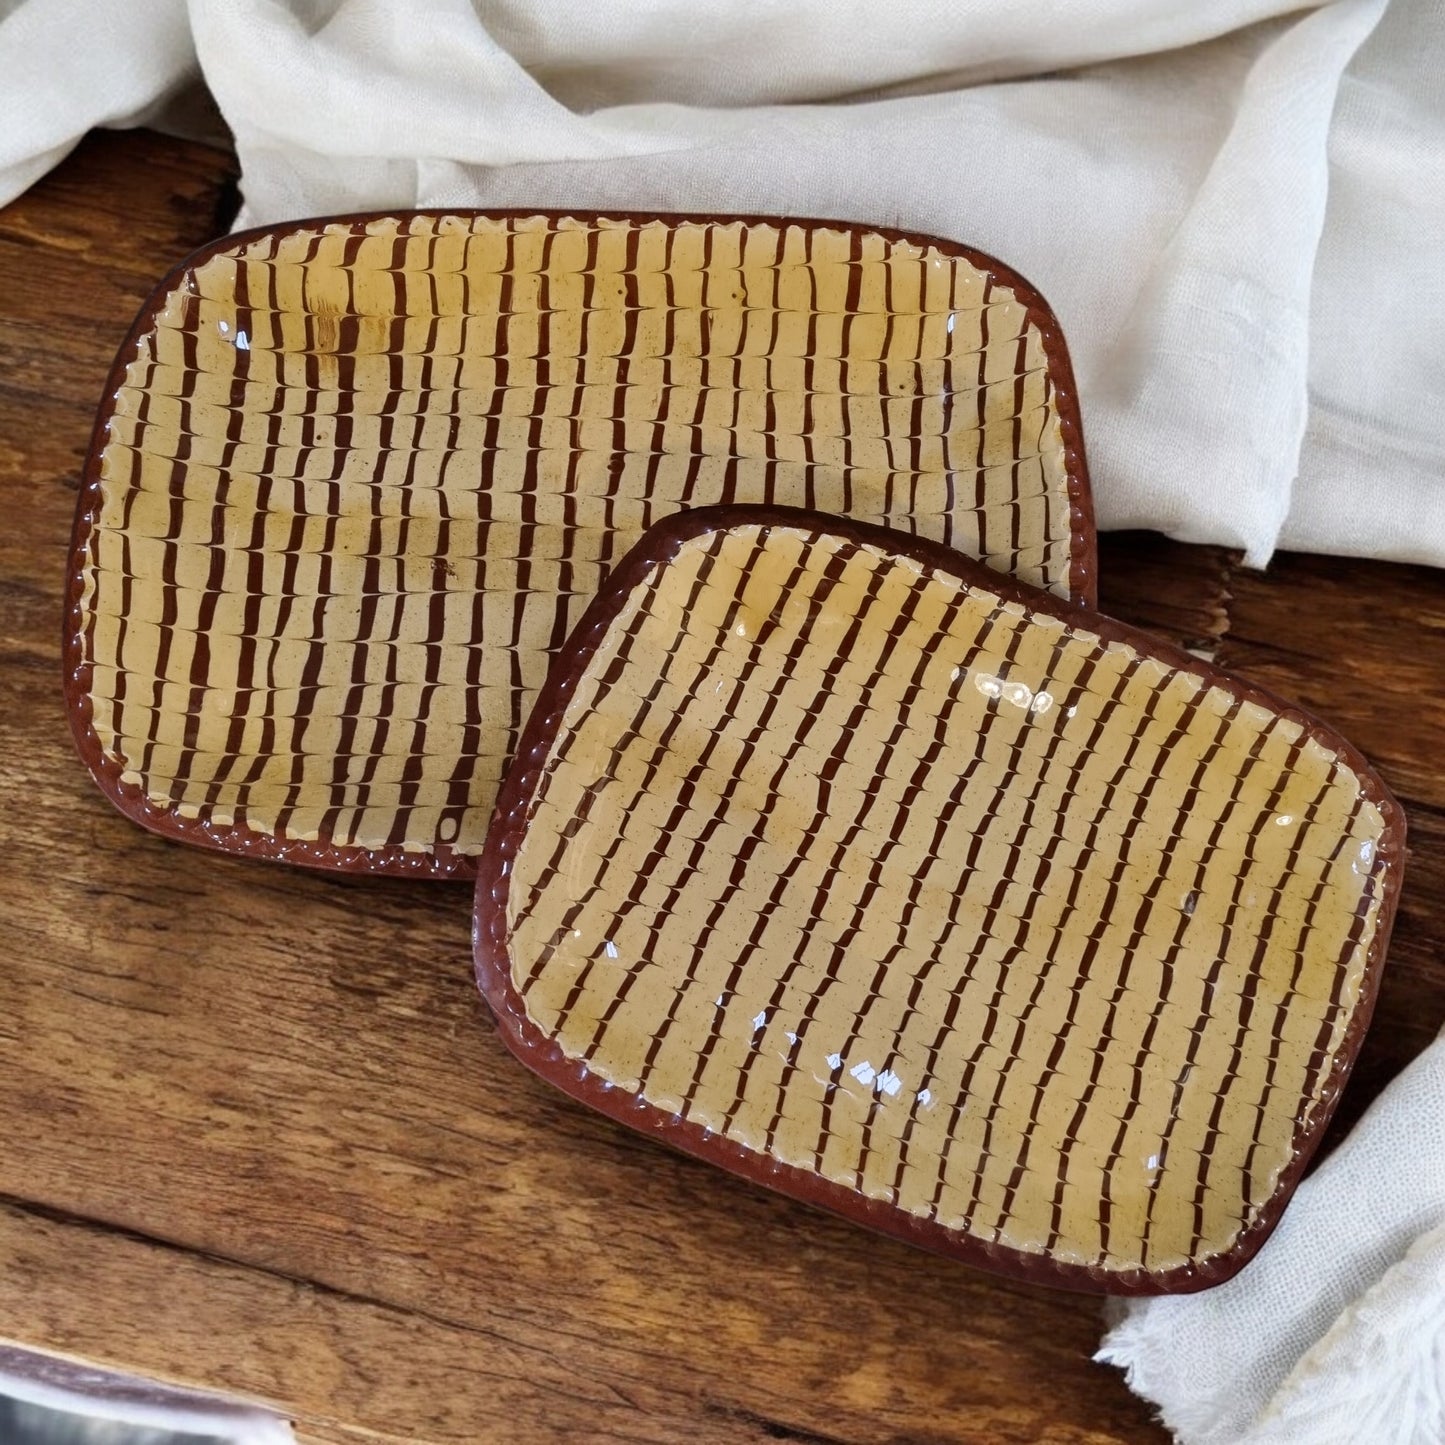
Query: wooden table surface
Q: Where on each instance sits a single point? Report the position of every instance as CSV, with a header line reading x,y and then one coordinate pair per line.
x,y
260,1134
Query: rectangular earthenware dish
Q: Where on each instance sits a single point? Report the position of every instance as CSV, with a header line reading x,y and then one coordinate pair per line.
x,y
353,482
836,859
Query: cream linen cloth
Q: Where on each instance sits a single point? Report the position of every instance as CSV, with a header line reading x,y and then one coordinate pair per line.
x,y
1237,209
1335,1333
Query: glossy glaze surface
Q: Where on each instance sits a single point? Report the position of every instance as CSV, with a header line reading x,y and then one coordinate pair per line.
x,y
902,885
360,478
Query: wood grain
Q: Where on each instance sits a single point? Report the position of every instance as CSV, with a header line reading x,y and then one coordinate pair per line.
x,y
262,1136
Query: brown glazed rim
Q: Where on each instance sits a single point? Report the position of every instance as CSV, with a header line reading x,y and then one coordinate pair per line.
x,y
544,1056
443,862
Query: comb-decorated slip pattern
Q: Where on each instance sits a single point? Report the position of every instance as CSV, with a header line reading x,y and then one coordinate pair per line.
x,y
887,879
359,479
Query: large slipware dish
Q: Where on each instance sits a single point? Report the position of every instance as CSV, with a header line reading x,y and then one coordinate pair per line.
x,y
837,860
353,482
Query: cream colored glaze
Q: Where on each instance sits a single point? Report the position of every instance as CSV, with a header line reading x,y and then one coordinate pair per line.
x,y
468,421
1077,1003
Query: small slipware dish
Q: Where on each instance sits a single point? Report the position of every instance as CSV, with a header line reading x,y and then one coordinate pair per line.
x,y
875,877
353,481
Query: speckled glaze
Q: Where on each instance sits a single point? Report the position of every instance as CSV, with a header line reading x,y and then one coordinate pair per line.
x,y
354,481
836,859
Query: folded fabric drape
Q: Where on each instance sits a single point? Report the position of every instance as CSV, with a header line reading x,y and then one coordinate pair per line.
x,y
1336,1331
1237,209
